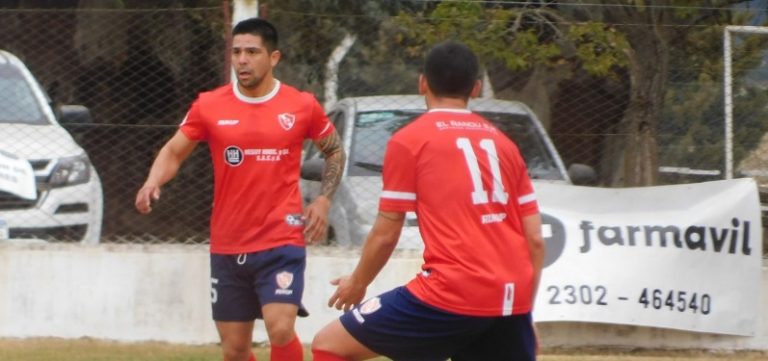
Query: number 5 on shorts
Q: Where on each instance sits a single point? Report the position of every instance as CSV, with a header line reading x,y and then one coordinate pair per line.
x,y
214,294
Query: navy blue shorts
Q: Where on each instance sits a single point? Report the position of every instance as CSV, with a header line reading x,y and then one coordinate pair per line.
x,y
241,284
399,326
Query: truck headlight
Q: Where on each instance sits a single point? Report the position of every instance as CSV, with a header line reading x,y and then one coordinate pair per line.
x,y
70,171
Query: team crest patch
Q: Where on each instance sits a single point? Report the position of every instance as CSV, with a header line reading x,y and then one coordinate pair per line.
x,y
284,279
233,155
370,306
286,120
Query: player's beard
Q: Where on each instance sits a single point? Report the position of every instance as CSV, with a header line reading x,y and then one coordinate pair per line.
x,y
252,78
250,83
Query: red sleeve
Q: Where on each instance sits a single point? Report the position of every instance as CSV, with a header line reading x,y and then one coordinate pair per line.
x,y
526,197
193,125
319,125
399,178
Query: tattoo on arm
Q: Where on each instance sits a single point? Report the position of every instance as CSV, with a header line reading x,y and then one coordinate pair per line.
x,y
334,163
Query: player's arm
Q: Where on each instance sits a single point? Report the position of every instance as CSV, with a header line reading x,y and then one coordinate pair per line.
x,y
532,230
334,163
164,168
316,213
377,249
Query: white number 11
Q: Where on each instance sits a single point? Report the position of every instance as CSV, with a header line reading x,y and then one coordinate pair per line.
x,y
480,195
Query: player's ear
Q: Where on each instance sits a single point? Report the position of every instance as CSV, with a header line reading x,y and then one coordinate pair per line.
x,y
423,86
476,89
274,57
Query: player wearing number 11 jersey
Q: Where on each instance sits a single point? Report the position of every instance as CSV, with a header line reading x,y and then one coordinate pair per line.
x,y
479,220
470,188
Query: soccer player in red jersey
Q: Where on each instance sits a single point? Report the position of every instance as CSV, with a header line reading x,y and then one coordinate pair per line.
x,y
479,219
255,128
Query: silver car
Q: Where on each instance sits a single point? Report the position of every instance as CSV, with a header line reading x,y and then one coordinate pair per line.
x,y
365,124
66,203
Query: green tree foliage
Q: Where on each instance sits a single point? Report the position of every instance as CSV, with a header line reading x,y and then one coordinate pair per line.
x,y
310,30
665,54
520,37
604,38
692,127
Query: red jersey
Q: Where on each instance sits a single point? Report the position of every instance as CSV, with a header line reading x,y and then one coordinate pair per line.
x,y
255,145
469,187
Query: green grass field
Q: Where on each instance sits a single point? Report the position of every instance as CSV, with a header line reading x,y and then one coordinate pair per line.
x,y
97,350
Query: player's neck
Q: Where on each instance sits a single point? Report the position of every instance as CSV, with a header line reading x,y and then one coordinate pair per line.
x,y
260,90
445,103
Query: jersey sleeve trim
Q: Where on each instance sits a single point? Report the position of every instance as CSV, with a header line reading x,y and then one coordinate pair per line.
x,y
391,205
184,121
322,132
407,196
526,198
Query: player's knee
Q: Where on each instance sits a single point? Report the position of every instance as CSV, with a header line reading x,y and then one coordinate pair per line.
x,y
236,353
319,341
280,333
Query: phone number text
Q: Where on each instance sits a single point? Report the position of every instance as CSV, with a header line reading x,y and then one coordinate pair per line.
x,y
648,298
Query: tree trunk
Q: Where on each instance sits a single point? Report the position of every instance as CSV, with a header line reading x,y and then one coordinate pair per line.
x,y
332,69
634,152
534,88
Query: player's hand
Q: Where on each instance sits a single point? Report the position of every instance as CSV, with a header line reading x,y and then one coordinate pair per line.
x,y
316,219
144,198
536,337
348,293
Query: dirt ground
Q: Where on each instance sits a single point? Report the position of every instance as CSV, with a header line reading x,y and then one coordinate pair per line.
x,y
52,349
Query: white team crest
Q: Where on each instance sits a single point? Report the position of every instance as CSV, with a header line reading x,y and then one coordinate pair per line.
x,y
286,120
370,306
284,279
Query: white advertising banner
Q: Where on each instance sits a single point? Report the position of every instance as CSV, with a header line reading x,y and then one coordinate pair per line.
x,y
684,257
16,176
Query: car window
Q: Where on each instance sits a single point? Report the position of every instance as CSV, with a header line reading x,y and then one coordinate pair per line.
x,y
373,130
371,134
17,102
519,127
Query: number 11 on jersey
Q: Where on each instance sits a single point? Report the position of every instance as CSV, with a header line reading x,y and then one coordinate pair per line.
x,y
479,194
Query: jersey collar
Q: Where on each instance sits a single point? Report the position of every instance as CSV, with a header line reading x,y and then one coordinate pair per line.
x,y
450,110
256,100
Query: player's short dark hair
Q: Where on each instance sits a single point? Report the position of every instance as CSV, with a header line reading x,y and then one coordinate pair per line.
x,y
451,69
258,27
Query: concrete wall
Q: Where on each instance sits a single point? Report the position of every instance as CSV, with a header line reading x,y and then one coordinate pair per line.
x,y
162,293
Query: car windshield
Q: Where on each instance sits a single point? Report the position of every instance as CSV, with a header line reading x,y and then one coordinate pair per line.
x,y
373,130
371,134
17,102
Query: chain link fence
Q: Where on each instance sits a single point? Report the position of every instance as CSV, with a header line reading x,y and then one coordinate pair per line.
x,y
134,71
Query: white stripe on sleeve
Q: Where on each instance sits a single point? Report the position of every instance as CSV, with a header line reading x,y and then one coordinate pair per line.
x,y
184,121
327,125
526,198
399,195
